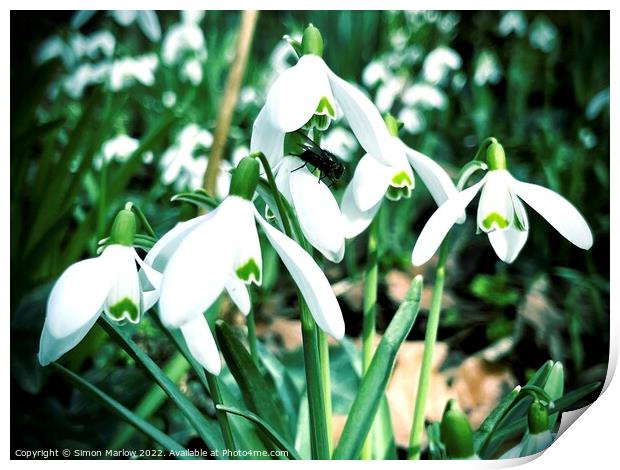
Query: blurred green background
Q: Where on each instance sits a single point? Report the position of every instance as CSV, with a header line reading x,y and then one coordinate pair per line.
x,y
538,81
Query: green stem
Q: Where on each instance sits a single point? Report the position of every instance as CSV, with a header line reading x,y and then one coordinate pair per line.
x,y
370,313
144,221
312,361
251,324
101,210
222,416
415,441
327,393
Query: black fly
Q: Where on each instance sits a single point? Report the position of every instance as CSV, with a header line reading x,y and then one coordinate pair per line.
x,y
323,160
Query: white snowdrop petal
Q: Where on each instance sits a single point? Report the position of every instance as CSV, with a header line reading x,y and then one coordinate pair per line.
x,y
440,223
560,213
355,220
496,209
197,271
201,344
508,243
318,214
310,279
267,138
239,294
370,181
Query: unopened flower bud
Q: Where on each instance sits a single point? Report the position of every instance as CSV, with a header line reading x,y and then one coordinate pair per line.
x,y
496,157
312,41
456,433
124,228
245,178
537,418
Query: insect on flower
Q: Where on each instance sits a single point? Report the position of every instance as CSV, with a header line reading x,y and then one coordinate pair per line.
x,y
326,162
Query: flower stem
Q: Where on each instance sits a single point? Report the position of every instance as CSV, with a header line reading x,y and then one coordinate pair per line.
x,y
326,382
222,417
370,313
415,441
251,324
319,439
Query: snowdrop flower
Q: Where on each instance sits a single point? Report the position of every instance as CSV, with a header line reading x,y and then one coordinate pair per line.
x,y
146,19
488,69
129,69
543,34
513,22
169,99
413,121
183,38
373,180
84,76
537,438
202,257
108,284
120,148
501,214
179,165
375,72
192,71
387,93
98,43
438,64
311,91
425,96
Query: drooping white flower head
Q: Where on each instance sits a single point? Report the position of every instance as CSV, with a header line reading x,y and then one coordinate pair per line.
x,y
127,70
501,214
221,250
538,436
439,62
183,39
373,180
309,89
108,283
310,94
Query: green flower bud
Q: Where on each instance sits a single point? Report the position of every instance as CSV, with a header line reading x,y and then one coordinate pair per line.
x,y
392,124
537,418
456,433
496,157
245,178
124,228
312,41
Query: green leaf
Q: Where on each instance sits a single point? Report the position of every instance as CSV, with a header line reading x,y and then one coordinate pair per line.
x,y
258,394
376,378
131,418
436,448
487,427
153,400
244,434
198,198
265,427
207,430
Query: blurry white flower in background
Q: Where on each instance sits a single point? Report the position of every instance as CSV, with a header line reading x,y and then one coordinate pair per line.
x,y
282,58
439,63
119,148
413,121
185,162
387,93
184,44
513,22
247,95
192,71
129,69
146,19
375,72
488,69
341,142
169,99
543,34
425,96
99,44
84,76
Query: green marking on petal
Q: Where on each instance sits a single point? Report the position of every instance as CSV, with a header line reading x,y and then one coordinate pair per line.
x,y
320,122
248,271
401,179
396,194
124,309
496,219
325,108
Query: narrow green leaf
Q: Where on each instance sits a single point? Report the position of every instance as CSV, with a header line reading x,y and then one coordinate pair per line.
x,y
376,378
383,445
436,449
257,393
244,434
265,427
207,430
152,401
487,427
197,198
134,420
